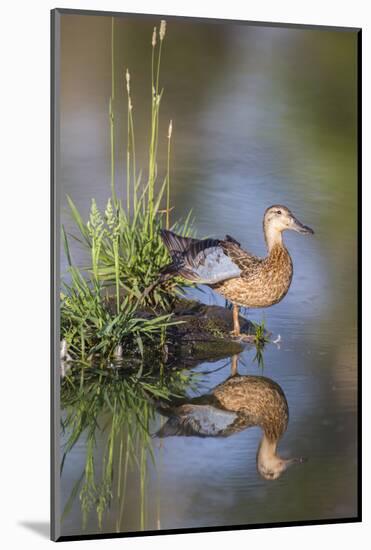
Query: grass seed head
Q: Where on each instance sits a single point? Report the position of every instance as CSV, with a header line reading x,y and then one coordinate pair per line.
x,y
127,76
162,29
154,34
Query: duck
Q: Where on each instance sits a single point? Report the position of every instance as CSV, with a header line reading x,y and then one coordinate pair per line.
x,y
238,403
242,278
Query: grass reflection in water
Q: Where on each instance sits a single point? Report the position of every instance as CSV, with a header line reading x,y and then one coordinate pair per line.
x,y
121,404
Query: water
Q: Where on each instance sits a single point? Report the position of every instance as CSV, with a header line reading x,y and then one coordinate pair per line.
x,y
261,116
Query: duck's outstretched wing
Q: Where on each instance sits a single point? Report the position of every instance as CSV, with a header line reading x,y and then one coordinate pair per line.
x,y
201,261
176,243
197,420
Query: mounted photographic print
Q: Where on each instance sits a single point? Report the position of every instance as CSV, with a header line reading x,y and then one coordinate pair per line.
x,y
205,215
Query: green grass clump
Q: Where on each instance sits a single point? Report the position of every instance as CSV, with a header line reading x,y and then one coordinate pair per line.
x,y
124,244
260,340
90,328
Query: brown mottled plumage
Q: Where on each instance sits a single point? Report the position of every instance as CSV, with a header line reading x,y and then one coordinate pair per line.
x,y
263,282
258,401
239,276
238,403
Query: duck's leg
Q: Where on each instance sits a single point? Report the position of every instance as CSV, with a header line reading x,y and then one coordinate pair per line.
x,y
234,365
236,332
236,322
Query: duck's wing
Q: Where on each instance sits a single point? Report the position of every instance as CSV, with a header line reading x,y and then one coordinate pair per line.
x,y
244,260
199,421
230,239
201,261
176,243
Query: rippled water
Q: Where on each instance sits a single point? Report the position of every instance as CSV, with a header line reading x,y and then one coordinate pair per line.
x,y
261,116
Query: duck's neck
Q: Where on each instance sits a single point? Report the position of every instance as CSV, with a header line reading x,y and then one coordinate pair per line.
x,y
273,238
267,450
268,462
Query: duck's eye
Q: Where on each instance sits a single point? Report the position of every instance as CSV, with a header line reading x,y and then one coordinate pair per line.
x,y
279,212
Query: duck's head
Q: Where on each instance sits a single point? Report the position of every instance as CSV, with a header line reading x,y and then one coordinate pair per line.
x,y
270,465
273,468
279,218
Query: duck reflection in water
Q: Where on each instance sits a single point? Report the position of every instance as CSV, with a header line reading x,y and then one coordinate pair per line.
x,y
238,403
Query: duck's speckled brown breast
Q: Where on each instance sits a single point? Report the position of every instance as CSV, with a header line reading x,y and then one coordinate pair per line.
x,y
263,284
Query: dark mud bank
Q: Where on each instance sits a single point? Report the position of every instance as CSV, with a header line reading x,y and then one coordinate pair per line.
x,y
204,332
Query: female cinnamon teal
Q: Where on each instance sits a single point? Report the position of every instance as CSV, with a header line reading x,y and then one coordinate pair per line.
x,y
244,279
238,403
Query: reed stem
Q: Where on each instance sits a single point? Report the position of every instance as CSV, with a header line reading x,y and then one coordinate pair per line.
x,y
168,176
128,163
142,488
117,273
133,156
122,495
113,58
111,113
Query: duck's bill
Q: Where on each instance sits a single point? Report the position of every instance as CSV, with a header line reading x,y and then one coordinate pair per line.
x,y
301,228
298,460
